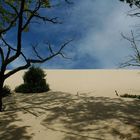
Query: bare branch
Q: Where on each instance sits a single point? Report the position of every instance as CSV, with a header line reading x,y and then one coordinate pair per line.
x,y
19,34
50,48
64,56
36,52
60,51
20,23
65,44
2,54
53,20
12,6
9,48
53,54
134,14
69,2
40,60
134,59
32,13
135,46
7,44
10,26
128,64
8,53
17,69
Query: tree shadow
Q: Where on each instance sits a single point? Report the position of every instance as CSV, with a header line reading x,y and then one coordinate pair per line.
x,y
84,117
8,130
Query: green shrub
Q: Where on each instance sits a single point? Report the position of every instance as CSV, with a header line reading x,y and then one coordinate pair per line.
x,y
6,91
22,88
33,76
130,96
34,82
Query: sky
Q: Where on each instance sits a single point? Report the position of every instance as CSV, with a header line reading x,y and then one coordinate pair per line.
x,y
95,27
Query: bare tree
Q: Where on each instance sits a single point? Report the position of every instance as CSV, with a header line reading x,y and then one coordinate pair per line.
x,y
20,16
132,3
134,59
135,7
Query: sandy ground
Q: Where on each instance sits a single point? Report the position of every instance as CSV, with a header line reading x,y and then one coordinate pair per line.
x,y
82,105
96,82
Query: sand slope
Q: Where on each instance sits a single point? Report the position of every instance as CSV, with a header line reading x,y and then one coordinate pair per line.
x,y
96,82
63,116
81,106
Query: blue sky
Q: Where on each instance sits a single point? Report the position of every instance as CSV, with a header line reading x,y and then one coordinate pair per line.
x,y
95,26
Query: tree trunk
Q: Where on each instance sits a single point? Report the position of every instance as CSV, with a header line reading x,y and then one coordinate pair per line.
x,y
1,87
1,103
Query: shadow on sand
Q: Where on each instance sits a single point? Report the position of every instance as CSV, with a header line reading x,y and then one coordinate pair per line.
x,y
8,130
77,117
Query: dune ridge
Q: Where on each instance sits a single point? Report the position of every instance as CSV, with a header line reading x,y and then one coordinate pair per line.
x,y
89,81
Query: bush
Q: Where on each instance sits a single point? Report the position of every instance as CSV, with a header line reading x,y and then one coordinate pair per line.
x,y
130,96
22,88
33,76
34,82
6,91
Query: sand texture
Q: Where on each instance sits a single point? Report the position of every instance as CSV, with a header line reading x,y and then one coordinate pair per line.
x,y
95,82
82,105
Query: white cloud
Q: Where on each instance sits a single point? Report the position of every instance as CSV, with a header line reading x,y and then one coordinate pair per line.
x,y
105,42
97,25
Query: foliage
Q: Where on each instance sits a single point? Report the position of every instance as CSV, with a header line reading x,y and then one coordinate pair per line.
x,y
9,10
34,75
6,91
130,96
34,81
25,88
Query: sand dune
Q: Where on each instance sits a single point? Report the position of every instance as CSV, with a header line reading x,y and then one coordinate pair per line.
x,y
105,82
81,106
